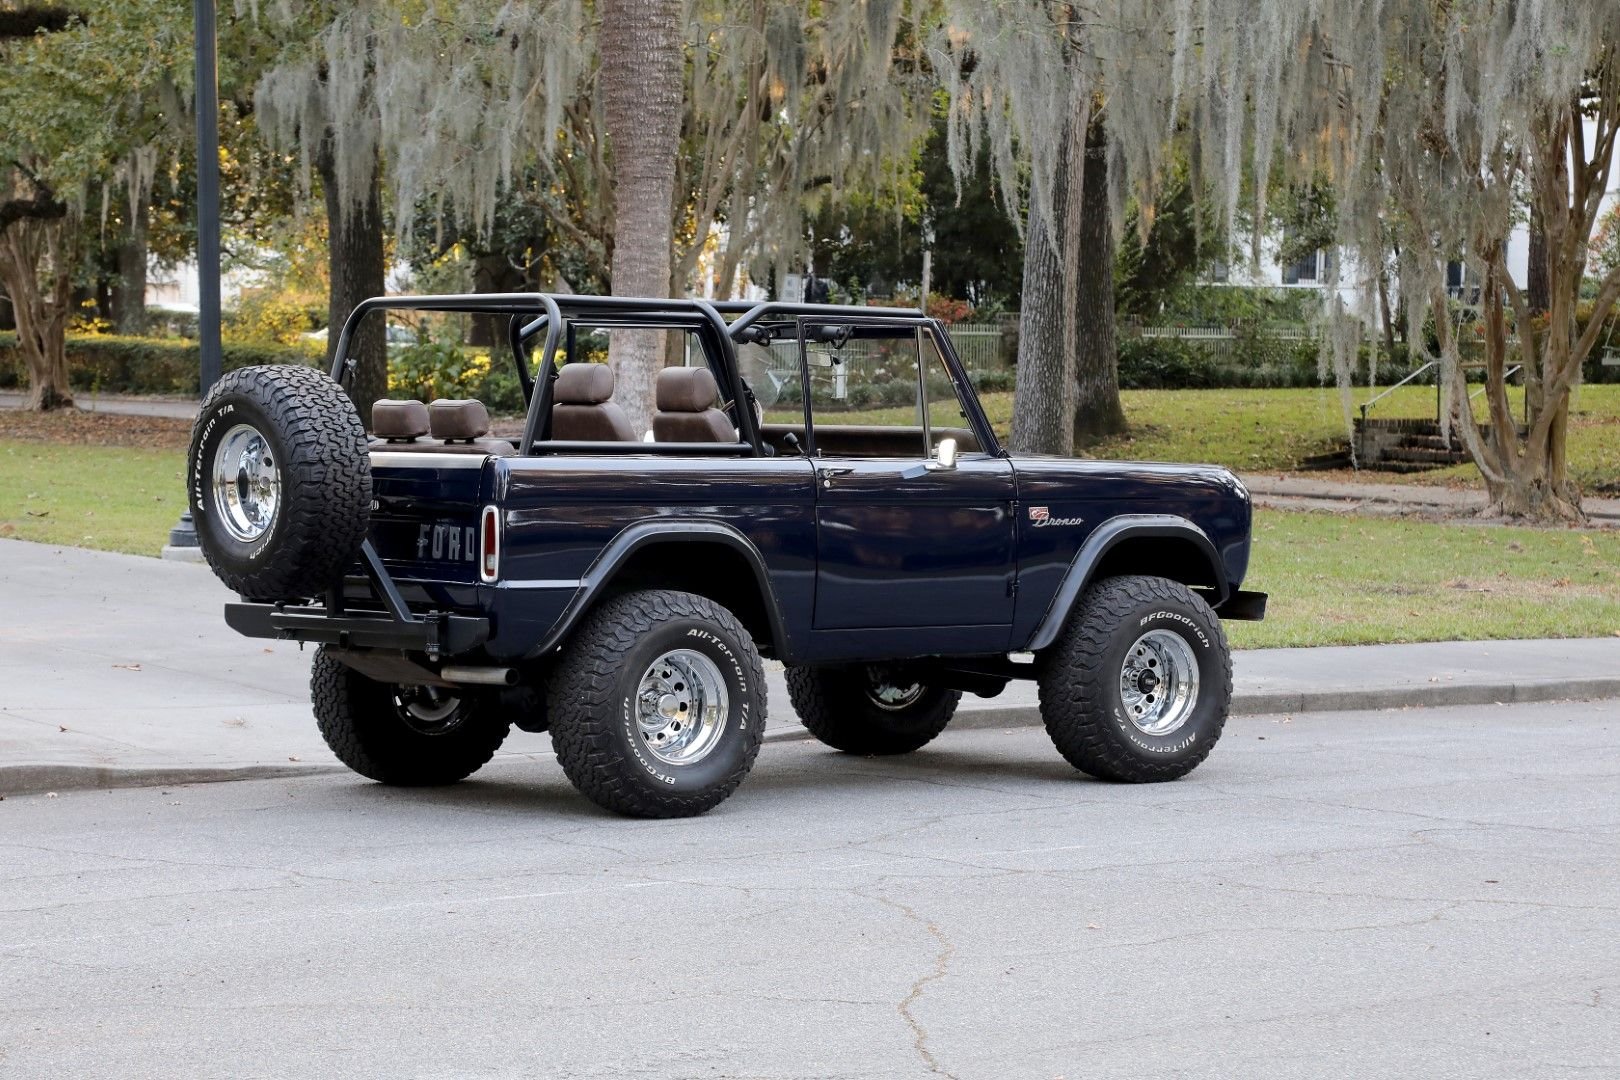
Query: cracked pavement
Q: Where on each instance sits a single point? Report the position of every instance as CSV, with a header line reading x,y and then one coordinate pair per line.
x,y
1428,893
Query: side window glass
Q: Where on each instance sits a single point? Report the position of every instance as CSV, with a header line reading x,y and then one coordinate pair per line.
x,y
946,415
864,377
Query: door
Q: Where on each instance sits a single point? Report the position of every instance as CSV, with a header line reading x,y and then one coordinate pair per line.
x,y
901,541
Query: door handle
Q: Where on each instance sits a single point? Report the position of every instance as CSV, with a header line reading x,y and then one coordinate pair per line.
x,y
828,474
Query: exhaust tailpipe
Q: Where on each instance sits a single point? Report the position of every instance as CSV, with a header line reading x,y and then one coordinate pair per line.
x,y
479,676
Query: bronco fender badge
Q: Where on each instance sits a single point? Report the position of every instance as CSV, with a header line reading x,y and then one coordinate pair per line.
x,y
1040,517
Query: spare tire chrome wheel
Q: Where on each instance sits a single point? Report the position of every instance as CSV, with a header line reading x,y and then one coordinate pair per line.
x,y
247,483
279,481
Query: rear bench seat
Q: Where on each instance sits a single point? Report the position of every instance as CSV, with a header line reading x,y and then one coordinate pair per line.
x,y
457,426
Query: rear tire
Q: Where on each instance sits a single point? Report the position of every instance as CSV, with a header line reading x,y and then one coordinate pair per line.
x,y
279,481
407,736
860,710
1138,687
657,705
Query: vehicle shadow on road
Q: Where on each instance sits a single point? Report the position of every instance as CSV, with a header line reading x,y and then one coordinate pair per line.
x,y
534,784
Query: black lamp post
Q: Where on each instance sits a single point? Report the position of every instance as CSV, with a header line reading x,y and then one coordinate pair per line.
x,y
183,537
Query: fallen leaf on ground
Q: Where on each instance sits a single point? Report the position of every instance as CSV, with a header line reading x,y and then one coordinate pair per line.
x,y
42,513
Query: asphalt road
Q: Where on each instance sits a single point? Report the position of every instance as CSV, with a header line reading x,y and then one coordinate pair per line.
x,y
1430,893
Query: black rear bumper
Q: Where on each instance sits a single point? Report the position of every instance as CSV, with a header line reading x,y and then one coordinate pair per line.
x,y
1244,607
435,634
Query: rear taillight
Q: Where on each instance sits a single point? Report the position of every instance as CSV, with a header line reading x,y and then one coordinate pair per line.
x,y
489,564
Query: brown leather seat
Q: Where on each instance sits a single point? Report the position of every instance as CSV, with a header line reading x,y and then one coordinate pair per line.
x,y
462,424
583,410
399,421
686,412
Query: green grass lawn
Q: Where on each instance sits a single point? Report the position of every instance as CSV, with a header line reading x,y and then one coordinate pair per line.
x,y
1344,580
1332,579
112,498
1263,430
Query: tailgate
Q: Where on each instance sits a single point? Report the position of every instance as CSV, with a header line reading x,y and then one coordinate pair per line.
x,y
425,514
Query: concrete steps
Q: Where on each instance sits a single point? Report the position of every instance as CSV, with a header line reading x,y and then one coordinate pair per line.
x,y
1406,445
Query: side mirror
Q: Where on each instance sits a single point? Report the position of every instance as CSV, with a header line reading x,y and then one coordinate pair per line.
x,y
945,454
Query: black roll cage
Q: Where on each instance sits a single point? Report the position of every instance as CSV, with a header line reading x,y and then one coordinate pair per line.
x,y
530,313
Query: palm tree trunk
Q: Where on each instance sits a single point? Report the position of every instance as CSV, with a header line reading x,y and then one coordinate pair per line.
x,y
641,82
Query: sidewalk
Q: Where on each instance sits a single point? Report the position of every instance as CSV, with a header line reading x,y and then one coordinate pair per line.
x,y
118,670
119,404
1303,491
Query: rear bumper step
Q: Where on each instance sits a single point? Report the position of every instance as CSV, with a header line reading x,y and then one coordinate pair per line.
x,y
435,634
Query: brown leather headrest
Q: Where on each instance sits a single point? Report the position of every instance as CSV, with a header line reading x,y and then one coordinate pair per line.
x,y
458,418
584,384
686,389
399,419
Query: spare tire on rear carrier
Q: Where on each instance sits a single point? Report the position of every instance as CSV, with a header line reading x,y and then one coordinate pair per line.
x,y
279,481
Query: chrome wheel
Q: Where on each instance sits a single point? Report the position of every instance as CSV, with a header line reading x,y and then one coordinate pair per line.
x,y
681,707
1158,682
247,483
892,694
429,710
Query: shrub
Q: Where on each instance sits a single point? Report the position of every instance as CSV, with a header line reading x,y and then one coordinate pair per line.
x,y
431,370
1165,364
130,365
265,319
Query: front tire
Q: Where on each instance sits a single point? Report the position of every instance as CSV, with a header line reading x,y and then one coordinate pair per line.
x,y
1138,687
869,710
657,706
407,736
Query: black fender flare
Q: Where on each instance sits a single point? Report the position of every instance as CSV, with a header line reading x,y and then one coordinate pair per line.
x,y
642,534
1103,538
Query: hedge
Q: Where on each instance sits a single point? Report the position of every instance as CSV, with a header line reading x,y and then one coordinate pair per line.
x,y
131,365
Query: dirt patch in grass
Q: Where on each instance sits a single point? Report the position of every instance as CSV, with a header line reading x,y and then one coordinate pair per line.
x,y
73,427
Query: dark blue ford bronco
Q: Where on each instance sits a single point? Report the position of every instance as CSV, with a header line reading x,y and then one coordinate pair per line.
x,y
618,587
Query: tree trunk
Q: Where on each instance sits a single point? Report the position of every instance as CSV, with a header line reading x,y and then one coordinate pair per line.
x,y
32,255
493,272
357,264
1097,410
1386,320
641,84
1538,295
129,290
1044,393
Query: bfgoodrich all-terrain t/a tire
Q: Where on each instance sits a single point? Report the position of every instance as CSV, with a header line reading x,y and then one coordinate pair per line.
x,y
1137,688
657,705
408,736
279,481
868,709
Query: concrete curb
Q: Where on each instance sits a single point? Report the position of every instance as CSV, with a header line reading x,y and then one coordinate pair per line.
x,y
1269,702
37,778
